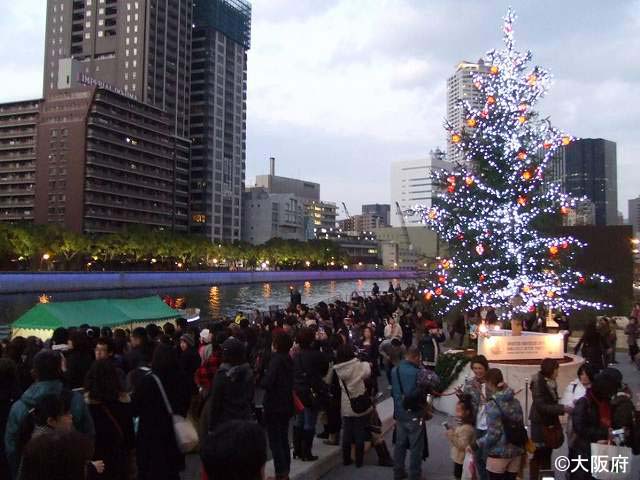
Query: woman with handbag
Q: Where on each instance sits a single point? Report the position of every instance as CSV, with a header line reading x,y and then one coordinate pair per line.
x,y
157,452
356,402
309,368
546,409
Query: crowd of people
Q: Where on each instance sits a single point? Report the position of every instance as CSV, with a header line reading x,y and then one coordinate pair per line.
x,y
99,403
106,389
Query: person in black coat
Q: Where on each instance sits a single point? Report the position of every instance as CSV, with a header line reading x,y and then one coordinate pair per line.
x,y
545,412
110,408
233,386
278,403
592,421
157,452
9,393
309,369
79,359
189,360
594,346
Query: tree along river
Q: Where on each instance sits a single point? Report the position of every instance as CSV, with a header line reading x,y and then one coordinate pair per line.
x,y
214,301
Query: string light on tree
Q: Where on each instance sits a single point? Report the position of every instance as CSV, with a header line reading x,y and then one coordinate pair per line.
x,y
496,249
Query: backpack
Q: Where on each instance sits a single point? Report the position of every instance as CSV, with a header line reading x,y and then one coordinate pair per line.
x,y
514,430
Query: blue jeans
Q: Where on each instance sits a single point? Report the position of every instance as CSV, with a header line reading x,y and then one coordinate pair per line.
x,y
278,433
409,436
480,458
307,419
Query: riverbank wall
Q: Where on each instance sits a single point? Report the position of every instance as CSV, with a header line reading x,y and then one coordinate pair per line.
x,y
78,281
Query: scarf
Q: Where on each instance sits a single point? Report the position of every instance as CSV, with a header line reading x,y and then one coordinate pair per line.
x,y
604,410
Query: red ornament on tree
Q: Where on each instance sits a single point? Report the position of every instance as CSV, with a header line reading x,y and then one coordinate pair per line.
x,y
460,293
581,280
442,279
482,277
564,245
439,291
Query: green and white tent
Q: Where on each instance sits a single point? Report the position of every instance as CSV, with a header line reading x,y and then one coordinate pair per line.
x,y
42,319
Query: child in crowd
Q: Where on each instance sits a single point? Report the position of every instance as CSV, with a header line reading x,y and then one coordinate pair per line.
x,y
462,434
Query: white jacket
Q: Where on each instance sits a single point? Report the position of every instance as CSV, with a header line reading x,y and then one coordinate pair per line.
x,y
393,331
352,374
574,391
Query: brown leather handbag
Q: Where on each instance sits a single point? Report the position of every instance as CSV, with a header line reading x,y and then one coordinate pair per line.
x,y
553,436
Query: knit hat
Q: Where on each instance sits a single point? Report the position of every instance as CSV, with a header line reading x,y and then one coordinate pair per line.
x,y
204,335
431,325
188,339
232,348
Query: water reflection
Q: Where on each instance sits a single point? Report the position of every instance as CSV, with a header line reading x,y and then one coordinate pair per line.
x,y
214,302
307,289
266,291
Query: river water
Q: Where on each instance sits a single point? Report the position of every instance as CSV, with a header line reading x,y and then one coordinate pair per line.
x,y
214,301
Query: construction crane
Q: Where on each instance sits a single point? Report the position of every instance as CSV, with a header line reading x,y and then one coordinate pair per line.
x,y
346,211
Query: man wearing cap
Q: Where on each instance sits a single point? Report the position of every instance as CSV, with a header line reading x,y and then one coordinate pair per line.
x,y
47,369
429,344
233,386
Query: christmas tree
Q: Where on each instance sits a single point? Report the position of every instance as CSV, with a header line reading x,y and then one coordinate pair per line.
x,y
493,203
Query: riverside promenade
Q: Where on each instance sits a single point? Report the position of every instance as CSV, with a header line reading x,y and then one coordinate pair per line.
x,y
78,281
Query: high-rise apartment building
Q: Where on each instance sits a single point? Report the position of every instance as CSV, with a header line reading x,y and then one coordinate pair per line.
x,y
142,48
411,185
591,171
460,87
221,38
18,138
634,214
379,213
106,162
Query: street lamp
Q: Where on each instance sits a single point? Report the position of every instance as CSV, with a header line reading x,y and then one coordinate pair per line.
x,y
46,256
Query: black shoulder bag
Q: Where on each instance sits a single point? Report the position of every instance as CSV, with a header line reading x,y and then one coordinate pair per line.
x,y
359,404
514,430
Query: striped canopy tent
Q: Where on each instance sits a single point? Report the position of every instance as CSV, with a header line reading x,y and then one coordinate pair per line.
x,y
42,319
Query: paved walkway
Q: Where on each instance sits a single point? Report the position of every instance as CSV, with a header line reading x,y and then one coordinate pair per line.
x,y
439,465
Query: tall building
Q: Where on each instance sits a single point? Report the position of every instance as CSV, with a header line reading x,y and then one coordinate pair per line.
x,y
221,38
271,215
381,211
634,214
105,162
591,171
142,48
411,185
18,138
460,87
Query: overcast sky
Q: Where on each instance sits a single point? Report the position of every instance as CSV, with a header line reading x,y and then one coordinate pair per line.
x,y
340,89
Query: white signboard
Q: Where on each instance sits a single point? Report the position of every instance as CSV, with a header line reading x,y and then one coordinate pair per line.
x,y
523,347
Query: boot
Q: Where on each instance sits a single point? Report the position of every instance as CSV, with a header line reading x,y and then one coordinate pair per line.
x,y
359,455
384,457
534,469
332,440
297,442
307,444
